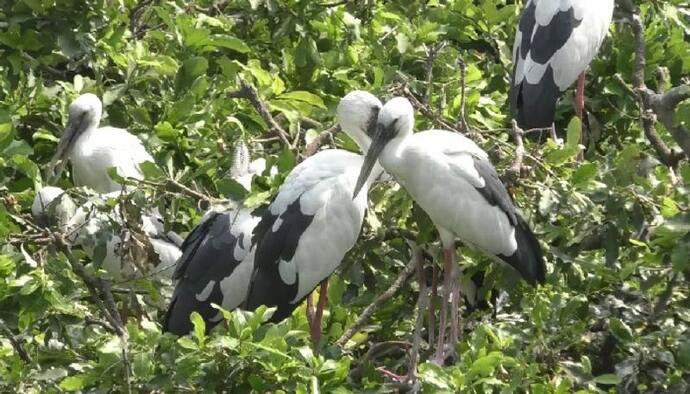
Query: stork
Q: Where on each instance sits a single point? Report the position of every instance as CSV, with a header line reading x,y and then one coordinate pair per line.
x,y
92,150
313,221
451,178
216,263
89,227
555,42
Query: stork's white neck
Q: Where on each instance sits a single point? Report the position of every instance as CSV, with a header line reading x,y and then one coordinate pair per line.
x,y
391,158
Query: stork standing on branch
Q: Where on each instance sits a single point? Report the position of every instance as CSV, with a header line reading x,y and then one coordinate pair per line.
x,y
313,221
92,150
451,178
554,43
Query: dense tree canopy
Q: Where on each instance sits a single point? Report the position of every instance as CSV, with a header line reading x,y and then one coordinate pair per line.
x,y
192,78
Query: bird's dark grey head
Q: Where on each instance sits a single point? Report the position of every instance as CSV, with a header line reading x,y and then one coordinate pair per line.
x,y
395,122
357,115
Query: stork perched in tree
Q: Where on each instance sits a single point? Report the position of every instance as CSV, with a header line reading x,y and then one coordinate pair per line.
x,y
451,178
554,43
216,263
93,229
92,150
313,221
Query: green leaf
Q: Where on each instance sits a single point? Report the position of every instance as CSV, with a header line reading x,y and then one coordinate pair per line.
x,y
303,96
607,379
229,42
199,326
151,171
72,383
585,173
620,330
165,131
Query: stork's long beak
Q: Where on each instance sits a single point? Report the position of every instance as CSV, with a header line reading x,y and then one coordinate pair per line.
x,y
72,131
375,149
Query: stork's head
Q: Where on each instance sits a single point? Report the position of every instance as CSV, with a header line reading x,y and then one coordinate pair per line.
x,y
395,123
84,114
357,115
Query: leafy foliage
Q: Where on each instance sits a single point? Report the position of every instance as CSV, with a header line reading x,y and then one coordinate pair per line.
x,y
615,311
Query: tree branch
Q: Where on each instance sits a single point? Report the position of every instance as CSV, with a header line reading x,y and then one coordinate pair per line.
x,y
399,281
102,297
653,105
15,343
664,105
323,138
462,122
513,173
248,92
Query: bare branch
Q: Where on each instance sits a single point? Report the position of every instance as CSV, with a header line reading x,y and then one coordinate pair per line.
x,y
652,104
323,138
462,122
102,297
513,173
15,343
399,281
664,105
173,186
248,92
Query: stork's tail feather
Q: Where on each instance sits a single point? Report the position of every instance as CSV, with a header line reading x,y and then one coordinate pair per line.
x,y
528,259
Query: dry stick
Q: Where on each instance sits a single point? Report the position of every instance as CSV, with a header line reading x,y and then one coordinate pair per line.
x,y
462,122
175,187
376,351
248,92
400,280
513,173
135,16
320,140
102,297
15,343
429,69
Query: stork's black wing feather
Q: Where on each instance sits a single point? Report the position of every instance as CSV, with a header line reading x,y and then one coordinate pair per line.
x,y
267,287
494,191
207,258
534,104
528,259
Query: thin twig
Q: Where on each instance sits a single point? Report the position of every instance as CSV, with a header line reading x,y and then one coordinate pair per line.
x,y
513,173
429,69
462,122
171,185
102,297
248,92
653,104
322,139
15,343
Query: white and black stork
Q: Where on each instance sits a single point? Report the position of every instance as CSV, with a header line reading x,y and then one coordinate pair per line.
x,y
451,178
554,43
298,243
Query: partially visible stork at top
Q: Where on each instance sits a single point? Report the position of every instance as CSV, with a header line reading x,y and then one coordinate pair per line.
x,y
451,178
92,150
554,43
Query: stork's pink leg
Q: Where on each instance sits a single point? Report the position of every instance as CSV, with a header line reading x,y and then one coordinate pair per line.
x,y
310,308
315,324
446,294
432,308
580,95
